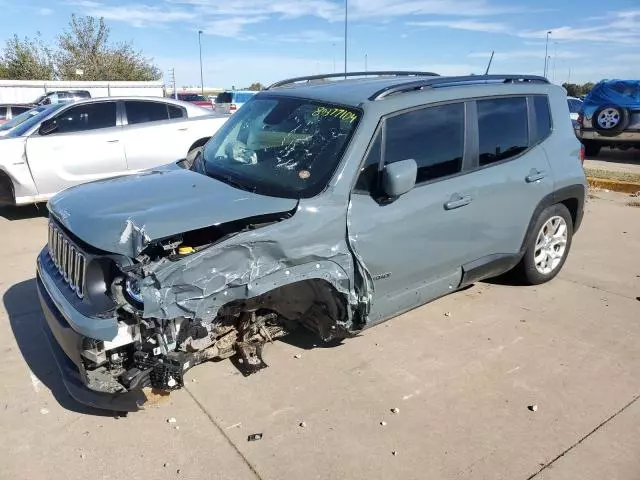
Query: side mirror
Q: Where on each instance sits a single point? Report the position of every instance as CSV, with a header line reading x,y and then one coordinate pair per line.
x,y
48,126
400,177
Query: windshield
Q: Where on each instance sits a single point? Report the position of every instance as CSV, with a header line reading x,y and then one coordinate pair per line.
x,y
192,97
280,146
20,118
33,120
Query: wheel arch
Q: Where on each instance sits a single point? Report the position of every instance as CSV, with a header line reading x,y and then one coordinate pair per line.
x,y
571,196
7,190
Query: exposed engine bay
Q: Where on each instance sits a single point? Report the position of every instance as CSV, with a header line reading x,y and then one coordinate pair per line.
x,y
158,353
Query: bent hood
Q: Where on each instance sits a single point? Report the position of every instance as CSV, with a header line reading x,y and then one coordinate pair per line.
x,y
124,214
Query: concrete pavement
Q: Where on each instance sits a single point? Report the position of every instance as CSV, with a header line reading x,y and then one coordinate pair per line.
x,y
462,372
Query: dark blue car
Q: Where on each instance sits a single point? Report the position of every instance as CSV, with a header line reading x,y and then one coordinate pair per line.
x,y
611,116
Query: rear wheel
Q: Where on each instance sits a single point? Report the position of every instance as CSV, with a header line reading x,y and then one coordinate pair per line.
x,y
548,246
591,148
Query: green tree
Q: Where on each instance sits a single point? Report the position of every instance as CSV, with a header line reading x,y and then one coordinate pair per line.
x,y
256,87
85,46
26,59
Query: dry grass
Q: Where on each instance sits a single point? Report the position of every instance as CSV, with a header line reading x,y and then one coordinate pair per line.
x,y
611,175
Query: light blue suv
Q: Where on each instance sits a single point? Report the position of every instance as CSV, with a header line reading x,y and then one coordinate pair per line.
x,y
325,202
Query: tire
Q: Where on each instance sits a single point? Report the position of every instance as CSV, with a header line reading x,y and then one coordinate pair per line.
x,y
610,120
591,148
537,266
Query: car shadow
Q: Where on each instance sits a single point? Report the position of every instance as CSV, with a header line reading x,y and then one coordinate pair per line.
x,y
614,155
24,213
25,317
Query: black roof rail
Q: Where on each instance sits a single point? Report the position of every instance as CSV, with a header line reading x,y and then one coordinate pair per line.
x,y
444,81
310,78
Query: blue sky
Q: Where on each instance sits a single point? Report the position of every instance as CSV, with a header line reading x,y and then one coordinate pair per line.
x,y
266,40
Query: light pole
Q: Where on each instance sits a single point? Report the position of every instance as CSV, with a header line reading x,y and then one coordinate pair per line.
x,y
345,36
333,50
200,47
365,62
546,52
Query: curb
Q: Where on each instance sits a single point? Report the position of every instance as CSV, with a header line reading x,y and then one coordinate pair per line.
x,y
614,185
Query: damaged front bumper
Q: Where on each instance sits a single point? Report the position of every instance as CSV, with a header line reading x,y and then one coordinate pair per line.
x,y
61,330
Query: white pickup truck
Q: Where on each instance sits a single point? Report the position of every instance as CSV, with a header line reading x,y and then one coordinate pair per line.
x,y
88,140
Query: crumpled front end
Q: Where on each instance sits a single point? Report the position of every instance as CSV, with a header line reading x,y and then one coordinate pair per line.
x,y
207,294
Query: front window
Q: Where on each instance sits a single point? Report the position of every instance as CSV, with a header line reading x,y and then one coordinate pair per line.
x,y
43,113
281,146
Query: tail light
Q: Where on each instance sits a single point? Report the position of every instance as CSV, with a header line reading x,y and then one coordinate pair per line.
x,y
582,154
233,107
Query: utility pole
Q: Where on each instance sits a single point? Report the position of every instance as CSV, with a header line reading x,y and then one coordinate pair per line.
x,y
333,50
365,63
201,76
345,36
546,53
172,81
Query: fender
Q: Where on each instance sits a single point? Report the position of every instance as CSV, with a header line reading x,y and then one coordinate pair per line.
x,y
571,192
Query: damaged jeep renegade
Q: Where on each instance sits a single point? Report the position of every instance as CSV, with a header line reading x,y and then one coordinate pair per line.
x,y
328,202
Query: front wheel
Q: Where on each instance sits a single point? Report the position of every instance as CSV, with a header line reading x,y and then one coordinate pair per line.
x,y
548,247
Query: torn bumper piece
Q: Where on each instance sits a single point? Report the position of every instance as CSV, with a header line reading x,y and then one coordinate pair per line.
x,y
65,344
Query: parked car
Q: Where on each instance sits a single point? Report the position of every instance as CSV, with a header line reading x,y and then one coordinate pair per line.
x,y
70,144
332,207
6,127
611,116
12,110
231,100
62,96
196,99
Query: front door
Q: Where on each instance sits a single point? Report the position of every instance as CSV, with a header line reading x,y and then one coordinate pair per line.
x,y
414,246
85,145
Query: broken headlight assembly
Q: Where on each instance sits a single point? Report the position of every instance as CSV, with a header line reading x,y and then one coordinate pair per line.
x,y
132,288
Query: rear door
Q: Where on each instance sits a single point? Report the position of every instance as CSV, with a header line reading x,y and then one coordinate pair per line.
x,y
513,172
86,145
155,133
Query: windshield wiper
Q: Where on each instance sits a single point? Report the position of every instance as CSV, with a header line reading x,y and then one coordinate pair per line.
x,y
230,181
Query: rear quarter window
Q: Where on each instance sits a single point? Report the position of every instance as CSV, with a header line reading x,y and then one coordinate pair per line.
x,y
542,115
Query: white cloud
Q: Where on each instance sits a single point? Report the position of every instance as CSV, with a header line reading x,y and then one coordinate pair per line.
x,y
473,25
528,54
309,36
44,11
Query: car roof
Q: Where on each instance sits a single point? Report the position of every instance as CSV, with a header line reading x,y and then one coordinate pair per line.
x,y
358,91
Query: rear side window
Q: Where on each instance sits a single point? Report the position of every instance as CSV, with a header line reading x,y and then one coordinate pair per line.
x,y
89,116
175,112
543,118
143,112
503,128
432,136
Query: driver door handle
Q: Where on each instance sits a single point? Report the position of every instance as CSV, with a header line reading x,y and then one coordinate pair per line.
x,y
535,175
113,141
457,201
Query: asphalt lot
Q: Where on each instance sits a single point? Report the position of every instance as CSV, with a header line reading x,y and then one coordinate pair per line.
x,y
462,371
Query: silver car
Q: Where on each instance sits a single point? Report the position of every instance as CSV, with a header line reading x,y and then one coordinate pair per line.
x,y
72,143
330,206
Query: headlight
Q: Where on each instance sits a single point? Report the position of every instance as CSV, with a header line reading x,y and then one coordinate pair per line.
x,y
132,286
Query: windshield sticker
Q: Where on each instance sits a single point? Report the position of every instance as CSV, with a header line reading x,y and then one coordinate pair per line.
x,y
340,113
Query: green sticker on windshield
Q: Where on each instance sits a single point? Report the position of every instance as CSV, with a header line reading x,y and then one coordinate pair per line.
x,y
340,113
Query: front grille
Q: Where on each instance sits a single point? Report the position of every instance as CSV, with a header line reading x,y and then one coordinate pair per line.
x,y
71,263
